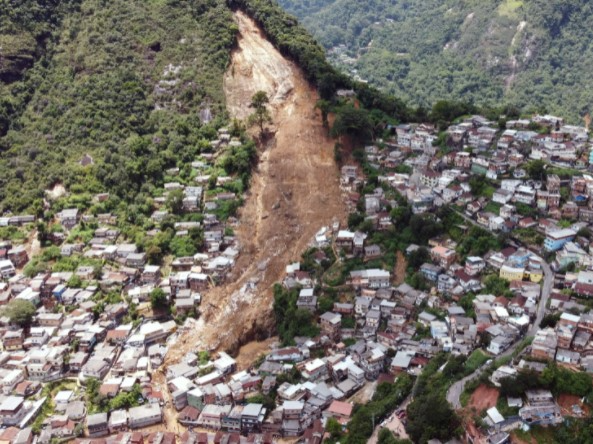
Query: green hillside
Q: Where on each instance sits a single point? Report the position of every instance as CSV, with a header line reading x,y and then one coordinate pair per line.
x,y
130,83
137,84
530,54
133,87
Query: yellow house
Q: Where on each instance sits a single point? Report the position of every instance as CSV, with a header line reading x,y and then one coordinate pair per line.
x,y
512,274
535,276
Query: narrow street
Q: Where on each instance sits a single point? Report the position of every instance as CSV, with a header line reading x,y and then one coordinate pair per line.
x,y
454,392
392,423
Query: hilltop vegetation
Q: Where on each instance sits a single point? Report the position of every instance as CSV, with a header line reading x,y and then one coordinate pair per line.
x,y
531,54
133,84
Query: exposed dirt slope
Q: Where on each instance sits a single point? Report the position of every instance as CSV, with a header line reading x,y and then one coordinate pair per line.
x,y
294,191
256,66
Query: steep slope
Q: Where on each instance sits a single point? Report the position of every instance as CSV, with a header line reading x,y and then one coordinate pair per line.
x,y
256,66
26,31
123,81
294,192
524,52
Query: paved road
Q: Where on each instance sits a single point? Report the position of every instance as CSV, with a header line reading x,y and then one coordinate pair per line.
x,y
454,392
547,287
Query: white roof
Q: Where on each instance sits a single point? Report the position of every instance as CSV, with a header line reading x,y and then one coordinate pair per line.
x,y
197,392
293,405
150,327
11,403
495,415
570,317
314,365
144,411
6,264
474,259
223,389
561,234
64,396
128,382
510,269
224,361
137,338
501,312
520,321
402,359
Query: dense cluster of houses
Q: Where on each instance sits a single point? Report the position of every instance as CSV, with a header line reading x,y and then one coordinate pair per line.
x,y
80,331
375,330
558,210
477,147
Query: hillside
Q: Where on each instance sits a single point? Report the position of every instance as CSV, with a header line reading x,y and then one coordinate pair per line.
x,y
285,207
530,54
121,97
130,83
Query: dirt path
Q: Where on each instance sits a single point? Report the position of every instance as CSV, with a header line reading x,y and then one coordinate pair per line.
x,y
32,244
401,265
294,191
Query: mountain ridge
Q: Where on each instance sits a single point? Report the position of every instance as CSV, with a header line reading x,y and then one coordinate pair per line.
x,y
532,54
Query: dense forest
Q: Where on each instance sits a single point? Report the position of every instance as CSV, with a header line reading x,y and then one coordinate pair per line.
x,y
532,54
132,87
136,85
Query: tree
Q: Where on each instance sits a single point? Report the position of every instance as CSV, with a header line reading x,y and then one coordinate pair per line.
x,y
334,428
175,201
20,312
74,281
42,233
418,281
485,339
387,437
497,286
401,215
550,320
444,112
197,236
477,185
431,416
584,232
261,114
154,254
352,121
183,246
323,106
537,169
418,257
158,299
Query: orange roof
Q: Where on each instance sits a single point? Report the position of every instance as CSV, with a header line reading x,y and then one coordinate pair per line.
x,y
341,408
9,433
440,250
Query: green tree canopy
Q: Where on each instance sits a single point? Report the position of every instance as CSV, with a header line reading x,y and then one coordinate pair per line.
x,y
158,299
175,201
352,121
536,169
261,114
20,312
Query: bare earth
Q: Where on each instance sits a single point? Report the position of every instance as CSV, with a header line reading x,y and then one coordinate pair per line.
x,y
566,401
251,351
401,266
483,398
294,192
